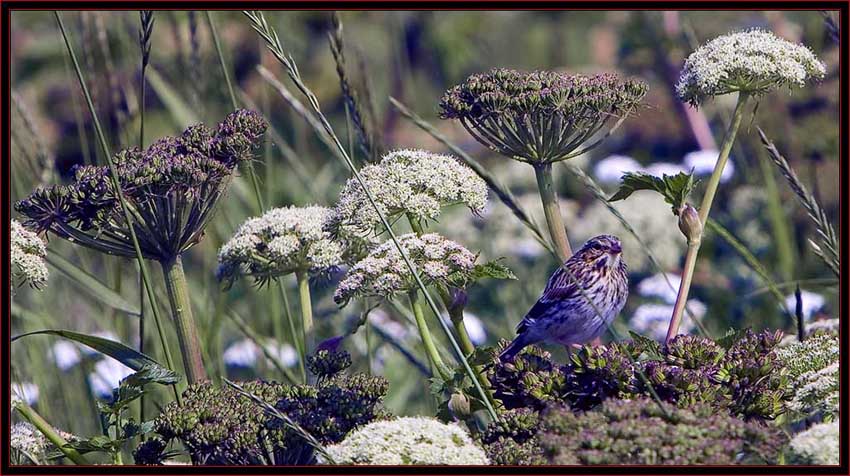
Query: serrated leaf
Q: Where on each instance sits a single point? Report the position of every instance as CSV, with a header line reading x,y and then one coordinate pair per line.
x,y
152,374
118,351
492,269
674,188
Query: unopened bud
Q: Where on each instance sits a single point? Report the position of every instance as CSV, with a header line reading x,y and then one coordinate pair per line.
x,y
459,405
690,224
458,302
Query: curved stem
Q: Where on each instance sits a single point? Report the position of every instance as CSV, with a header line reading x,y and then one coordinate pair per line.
x,y
552,211
427,340
181,311
306,308
708,198
50,433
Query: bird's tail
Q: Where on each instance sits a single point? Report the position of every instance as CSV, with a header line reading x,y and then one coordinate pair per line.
x,y
514,348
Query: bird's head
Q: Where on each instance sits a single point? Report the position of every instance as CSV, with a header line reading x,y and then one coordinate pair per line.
x,y
602,250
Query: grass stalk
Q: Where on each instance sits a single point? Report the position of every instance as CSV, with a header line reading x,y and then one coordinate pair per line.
x,y
552,210
181,311
708,198
122,201
260,25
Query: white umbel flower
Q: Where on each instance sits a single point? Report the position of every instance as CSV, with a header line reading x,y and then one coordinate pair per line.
x,y
245,353
664,286
408,441
817,445
27,253
384,273
414,182
282,241
754,61
702,162
28,440
611,168
812,369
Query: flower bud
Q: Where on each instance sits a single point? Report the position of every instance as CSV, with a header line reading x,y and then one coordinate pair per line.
x,y
459,405
690,224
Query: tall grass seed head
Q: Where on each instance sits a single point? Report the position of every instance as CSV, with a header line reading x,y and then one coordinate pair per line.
x,y
27,255
413,182
384,273
753,61
281,242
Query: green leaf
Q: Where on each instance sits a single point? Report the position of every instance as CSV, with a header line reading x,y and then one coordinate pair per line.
x,y
90,285
493,269
674,188
482,355
152,374
732,336
118,351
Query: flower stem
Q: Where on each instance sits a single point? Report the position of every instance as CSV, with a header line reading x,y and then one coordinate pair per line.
x,y
427,340
711,189
299,345
181,310
552,211
50,433
306,308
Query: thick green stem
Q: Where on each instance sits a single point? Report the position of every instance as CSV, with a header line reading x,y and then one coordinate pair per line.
x,y
552,211
463,335
296,338
50,433
684,289
427,340
181,311
306,308
694,242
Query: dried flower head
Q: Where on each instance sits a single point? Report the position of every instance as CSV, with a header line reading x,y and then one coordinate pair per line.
x,y
284,241
817,445
754,61
412,182
408,440
28,252
541,116
171,188
384,273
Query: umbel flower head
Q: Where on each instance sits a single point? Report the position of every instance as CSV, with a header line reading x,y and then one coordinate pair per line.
x,y
283,241
541,116
413,182
408,440
754,61
171,188
384,273
817,445
28,252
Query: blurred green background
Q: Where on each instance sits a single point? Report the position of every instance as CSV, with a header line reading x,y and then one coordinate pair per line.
x,y
413,57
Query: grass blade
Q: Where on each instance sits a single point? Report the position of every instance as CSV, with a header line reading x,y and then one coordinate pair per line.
x,y
91,285
182,114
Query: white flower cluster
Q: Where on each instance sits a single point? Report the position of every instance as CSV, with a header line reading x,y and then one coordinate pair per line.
x,y
281,242
414,182
28,440
408,441
812,367
817,445
28,252
825,325
812,303
649,215
754,61
384,273
245,353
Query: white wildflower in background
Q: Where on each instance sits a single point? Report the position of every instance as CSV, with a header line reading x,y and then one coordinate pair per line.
x,y
702,162
65,354
408,441
824,325
652,320
612,168
27,255
282,241
28,440
245,353
474,327
659,169
661,285
649,215
412,182
754,61
817,445
384,273
106,376
27,392
812,369
812,303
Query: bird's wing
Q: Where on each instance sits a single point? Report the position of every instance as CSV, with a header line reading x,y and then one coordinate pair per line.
x,y
559,288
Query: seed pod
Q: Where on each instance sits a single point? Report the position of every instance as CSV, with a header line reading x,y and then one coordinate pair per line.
x,y
690,224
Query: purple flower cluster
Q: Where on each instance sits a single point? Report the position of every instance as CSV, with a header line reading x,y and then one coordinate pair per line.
x,y
171,189
539,116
